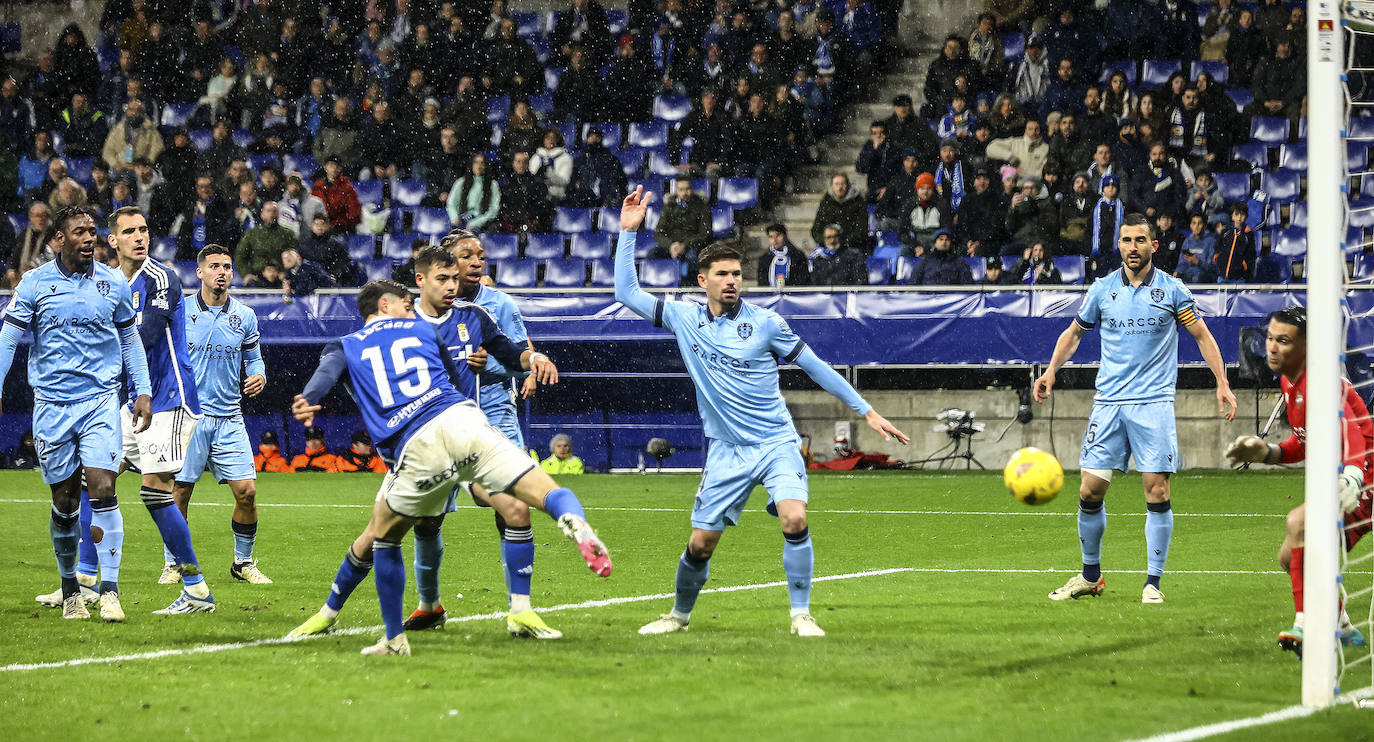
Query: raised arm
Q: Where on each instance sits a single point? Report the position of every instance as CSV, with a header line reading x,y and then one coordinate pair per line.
x,y
627,290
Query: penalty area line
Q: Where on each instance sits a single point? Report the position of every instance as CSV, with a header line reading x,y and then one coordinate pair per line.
x,y
1273,717
232,646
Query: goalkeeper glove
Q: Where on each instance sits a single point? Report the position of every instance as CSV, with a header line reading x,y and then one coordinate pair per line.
x,y
1247,449
1352,485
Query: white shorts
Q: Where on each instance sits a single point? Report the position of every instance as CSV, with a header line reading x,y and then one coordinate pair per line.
x,y
161,449
457,445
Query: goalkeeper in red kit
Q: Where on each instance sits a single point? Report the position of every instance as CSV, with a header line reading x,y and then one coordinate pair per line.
x,y
1286,353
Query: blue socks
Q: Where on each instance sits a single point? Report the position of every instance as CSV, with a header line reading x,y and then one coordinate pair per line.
x,y
245,534
63,529
429,554
517,554
351,572
1159,529
86,561
691,576
798,562
562,500
1092,522
106,517
391,584
176,535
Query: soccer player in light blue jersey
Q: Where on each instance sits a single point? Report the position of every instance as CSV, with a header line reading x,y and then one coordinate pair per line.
x,y
732,350
222,339
1138,310
84,335
431,436
158,452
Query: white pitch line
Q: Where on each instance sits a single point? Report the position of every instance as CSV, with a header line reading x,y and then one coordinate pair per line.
x,y
213,648
993,513
1273,717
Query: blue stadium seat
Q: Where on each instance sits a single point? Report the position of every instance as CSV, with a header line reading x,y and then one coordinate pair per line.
x,y
10,39
617,19
608,220
648,136
1216,68
1013,46
1233,186
889,239
565,273
569,220
979,267
19,222
738,193
107,58
610,133
1297,215
1282,186
236,54
1071,268
1302,128
568,132
1361,213
164,249
552,76
542,104
1356,156
1290,242
1125,66
644,244
257,162
369,191
904,270
59,144
1255,153
1361,127
397,246
178,114
1269,129
79,169
722,221
305,164
659,273
376,268
1273,269
186,271
432,220
1355,239
603,273
672,108
408,192
544,246
542,50
651,216
879,271
501,246
888,252
661,164
242,137
527,22
1242,97
498,108
593,246
1294,156
1363,269
631,161
361,247
1155,72
516,274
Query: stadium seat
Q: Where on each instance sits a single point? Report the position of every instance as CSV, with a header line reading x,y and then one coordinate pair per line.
x,y
654,184
661,164
610,134
178,114
1282,186
879,271
59,144
236,54
19,221
408,192
369,191
1363,268
542,104
1155,72
1233,186
659,273
542,50
397,246
164,249
1125,66
10,40
201,139
544,246
593,246
888,252
552,76
979,267
498,108
1361,127
1356,157
889,239
1269,129
1294,156
1297,214
243,137
1255,153
648,136
501,246
376,268
527,22
565,273
568,132
79,169
651,216
738,193
1290,242
631,161
617,19
1302,128
722,221
516,274
186,271
603,273
1355,239
432,220
644,244
1013,46
1273,269
305,164
608,220
569,220
672,108
361,247
1071,268
1216,68
1361,213
1242,97
904,269
257,162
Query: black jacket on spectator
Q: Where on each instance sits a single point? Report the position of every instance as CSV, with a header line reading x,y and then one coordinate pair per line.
x,y
1154,191
852,216
578,94
1235,254
307,278
508,59
594,34
216,158
688,223
757,140
178,168
880,164
84,133
220,227
1024,268
980,220
798,269
940,82
899,196
633,80
711,135
1032,221
329,252
525,202
847,268
942,268
914,135
75,64
598,179
1070,155
1280,79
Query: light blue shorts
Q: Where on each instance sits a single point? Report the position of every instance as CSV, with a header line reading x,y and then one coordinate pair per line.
x,y
84,433
220,444
1116,432
732,471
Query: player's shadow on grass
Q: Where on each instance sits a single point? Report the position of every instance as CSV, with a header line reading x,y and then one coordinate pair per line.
x,y
1096,652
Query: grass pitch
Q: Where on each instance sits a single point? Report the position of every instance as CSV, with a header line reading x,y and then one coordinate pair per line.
x,y
961,644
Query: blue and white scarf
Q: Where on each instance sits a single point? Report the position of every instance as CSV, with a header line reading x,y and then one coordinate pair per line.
x,y
822,251
1097,222
782,265
955,176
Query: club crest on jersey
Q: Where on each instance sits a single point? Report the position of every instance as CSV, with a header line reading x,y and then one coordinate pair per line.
x,y
103,287
745,330
463,332
235,322
1157,294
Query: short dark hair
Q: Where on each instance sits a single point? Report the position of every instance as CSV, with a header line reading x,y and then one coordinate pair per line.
x,y
778,227
212,249
1240,207
112,221
878,125
1294,315
68,213
434,255
370,296
452,239
717,251
1135,219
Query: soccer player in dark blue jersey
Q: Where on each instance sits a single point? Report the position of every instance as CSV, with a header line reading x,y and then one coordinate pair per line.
x,y
82,319
406,385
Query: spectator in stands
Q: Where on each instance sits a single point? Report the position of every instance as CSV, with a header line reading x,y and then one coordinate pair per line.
x,y
522,132
1235,254
71,195
1027,153
685,224
878,160
950,175
83,128
101,193
845,207
29,243
941,266
219,89
897,196
1194,135
247,205
16,116
444,165
24,455
263,244
205,220
360,456
338,137
763,74
1159,188
1065,93
710,129
1005,118
1271,17
1170,243
939,87
1011,15
1118,101
1204,199
908,132
318,245
1279,83
561,460
524,199
1031,218
1105,228
271,187
312,110
339,197
1245,48
582,25
1069,151
35,167
1032,79
1070,39
1035,268
1221,20
834,264
405,272
132,136
981,216
9,180
177,165
381,146
787,46
301,277
316,456
221,152
1197,263
74,62
784,264
553,163
578,95
474,200
299,207
993,274
1075,217
511,64
1094,125
985,50
598,177
930,214
958,120
1132,29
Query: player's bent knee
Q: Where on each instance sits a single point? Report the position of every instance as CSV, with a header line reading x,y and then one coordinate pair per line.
x,y
1296,524
428,527
514,512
